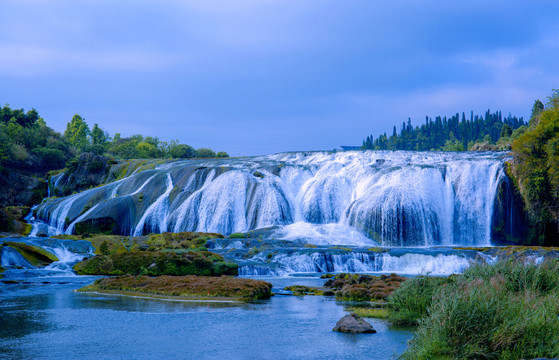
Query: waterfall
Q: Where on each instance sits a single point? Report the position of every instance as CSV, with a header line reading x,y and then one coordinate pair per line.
x,y
156,215
12,258
66,259
70,228
387,198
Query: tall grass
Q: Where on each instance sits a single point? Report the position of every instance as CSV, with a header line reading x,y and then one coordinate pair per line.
x,y
409,303
508,310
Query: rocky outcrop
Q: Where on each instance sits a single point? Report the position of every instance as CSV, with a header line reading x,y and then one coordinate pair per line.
x,y
19,189
353,324
35,255
12,221
88,170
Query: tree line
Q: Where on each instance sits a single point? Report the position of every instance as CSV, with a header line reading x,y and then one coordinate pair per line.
x,y
455,133
28,144
99,142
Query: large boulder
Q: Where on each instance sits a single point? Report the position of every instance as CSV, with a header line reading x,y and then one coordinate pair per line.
x,y
353,324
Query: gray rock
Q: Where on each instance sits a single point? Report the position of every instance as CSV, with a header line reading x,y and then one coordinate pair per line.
x,y
353,324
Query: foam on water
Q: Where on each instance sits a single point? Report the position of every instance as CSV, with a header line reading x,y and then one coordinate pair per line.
x,y
327,234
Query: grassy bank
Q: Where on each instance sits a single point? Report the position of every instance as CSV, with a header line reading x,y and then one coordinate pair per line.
x,y
507,310
185,287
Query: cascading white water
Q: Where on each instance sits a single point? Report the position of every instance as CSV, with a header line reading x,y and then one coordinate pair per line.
x,y
66,259
357,262
70,228
156,215
12,258
390,198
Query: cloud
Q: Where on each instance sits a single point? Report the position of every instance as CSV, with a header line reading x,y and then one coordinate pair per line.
x,y
29,60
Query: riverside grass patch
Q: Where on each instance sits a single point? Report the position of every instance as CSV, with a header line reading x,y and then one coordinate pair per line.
x,y
507,310
203,287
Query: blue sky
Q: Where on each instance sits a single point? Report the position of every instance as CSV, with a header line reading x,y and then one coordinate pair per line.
x,y
263,76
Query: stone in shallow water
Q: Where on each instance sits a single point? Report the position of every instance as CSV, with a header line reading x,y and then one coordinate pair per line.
x,y
353,324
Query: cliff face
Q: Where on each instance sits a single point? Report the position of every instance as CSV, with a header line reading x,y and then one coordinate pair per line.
x,y
21,189
88,170
18,191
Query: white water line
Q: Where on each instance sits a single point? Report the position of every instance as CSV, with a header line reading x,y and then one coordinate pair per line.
x,y
160,205
70,228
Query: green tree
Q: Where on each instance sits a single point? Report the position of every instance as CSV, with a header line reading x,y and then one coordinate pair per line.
x,y
205,153
506,131
222,154
98,136
147,150
536,111
77,132
182,151
536,170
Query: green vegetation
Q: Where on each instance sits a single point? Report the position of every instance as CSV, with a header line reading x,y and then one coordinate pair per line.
x,y
368,312
182,240
492,132
35,255
155,263
27,143
535,170
507,310
12,220
358,287
238,236
99,142
353,287
410,302
301,290
185,287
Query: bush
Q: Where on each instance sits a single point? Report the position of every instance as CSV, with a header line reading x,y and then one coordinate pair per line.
x,y
205,153
237,236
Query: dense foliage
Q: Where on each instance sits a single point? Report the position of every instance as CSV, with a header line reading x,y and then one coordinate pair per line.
x,y
536,169
28,144
451,134
134,147
507,310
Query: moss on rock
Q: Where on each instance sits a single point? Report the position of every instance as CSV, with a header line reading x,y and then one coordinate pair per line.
x,y
35,255
157,263
185,287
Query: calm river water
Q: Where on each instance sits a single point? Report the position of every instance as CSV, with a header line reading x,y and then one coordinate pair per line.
x,y
43,318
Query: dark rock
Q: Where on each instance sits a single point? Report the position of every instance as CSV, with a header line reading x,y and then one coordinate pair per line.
x,y
353,324
88,170
18,189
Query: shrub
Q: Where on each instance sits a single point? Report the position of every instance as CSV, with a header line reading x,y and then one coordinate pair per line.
x,y
237,236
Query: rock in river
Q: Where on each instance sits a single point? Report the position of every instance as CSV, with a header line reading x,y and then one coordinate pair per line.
x,y
353,324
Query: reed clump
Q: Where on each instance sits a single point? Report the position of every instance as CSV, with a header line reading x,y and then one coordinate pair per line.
x,y
507,310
